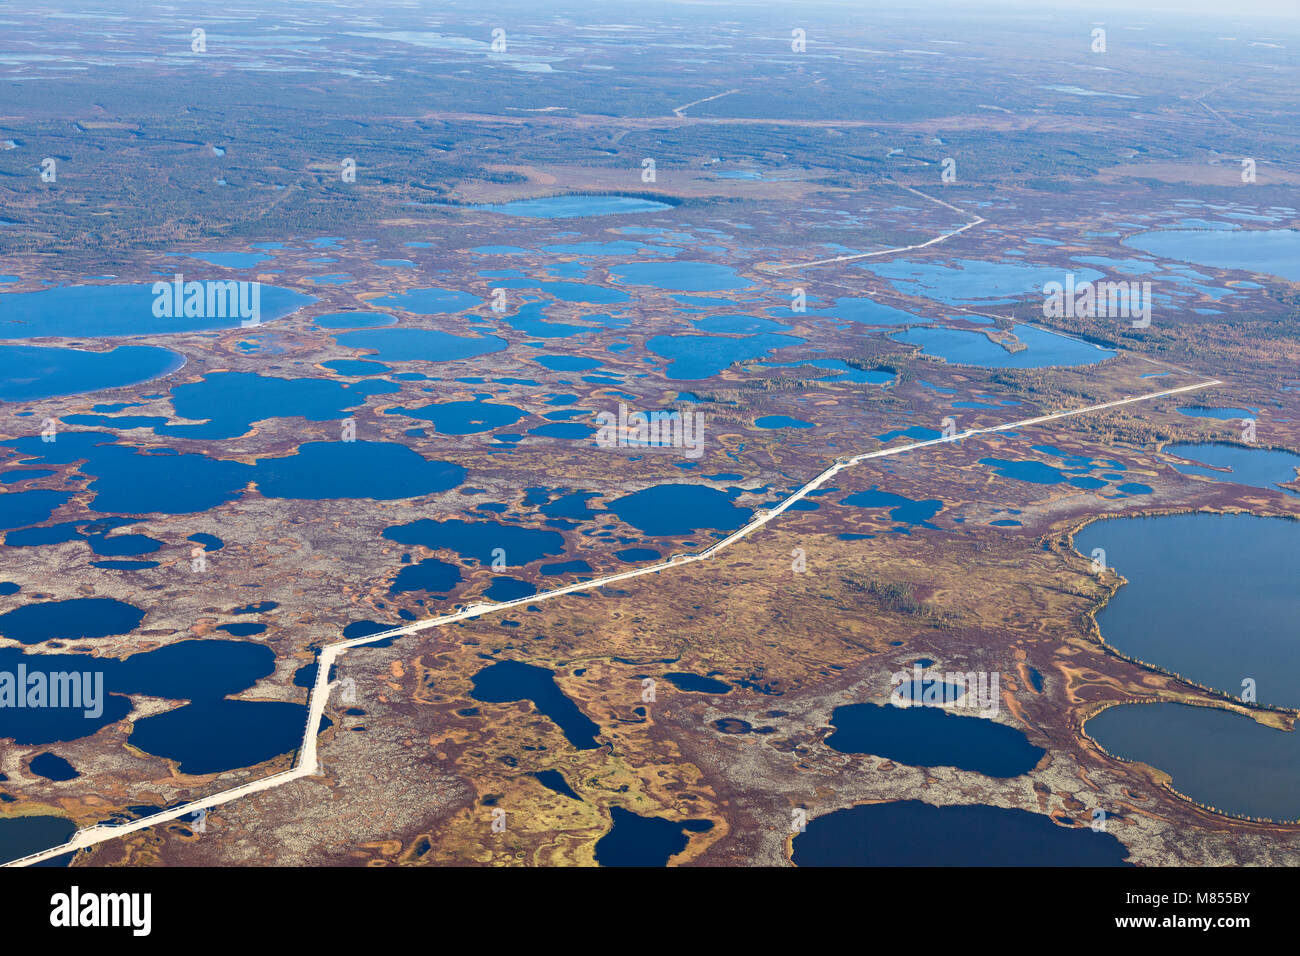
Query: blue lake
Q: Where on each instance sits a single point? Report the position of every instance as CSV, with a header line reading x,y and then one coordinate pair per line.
x,y
508,589
1256,467
572,207
206,735
1196,578
1275,251
463,418
29,372
866,311
697,683
906,510
703,356
964,347
968,280
73,619
932,737
912,833
680,276
97,311
216,735
427,575
52,767
1214,756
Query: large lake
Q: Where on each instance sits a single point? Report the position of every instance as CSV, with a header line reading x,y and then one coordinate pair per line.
x,y
1211,597
1275,251
96,311
1218,758
965,347
912,833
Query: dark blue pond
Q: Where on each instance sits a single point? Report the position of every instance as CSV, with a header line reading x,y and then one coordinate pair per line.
x,y
697,683
21,508
703,356
932,737
126,481
912,833
212,736
29,372
206,735
427,575
508,681
22,836
971,280
52,767
635,840
95,311
508,589
1214,756
680,509
1196,579
635,555
906,510
554,780
73,619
